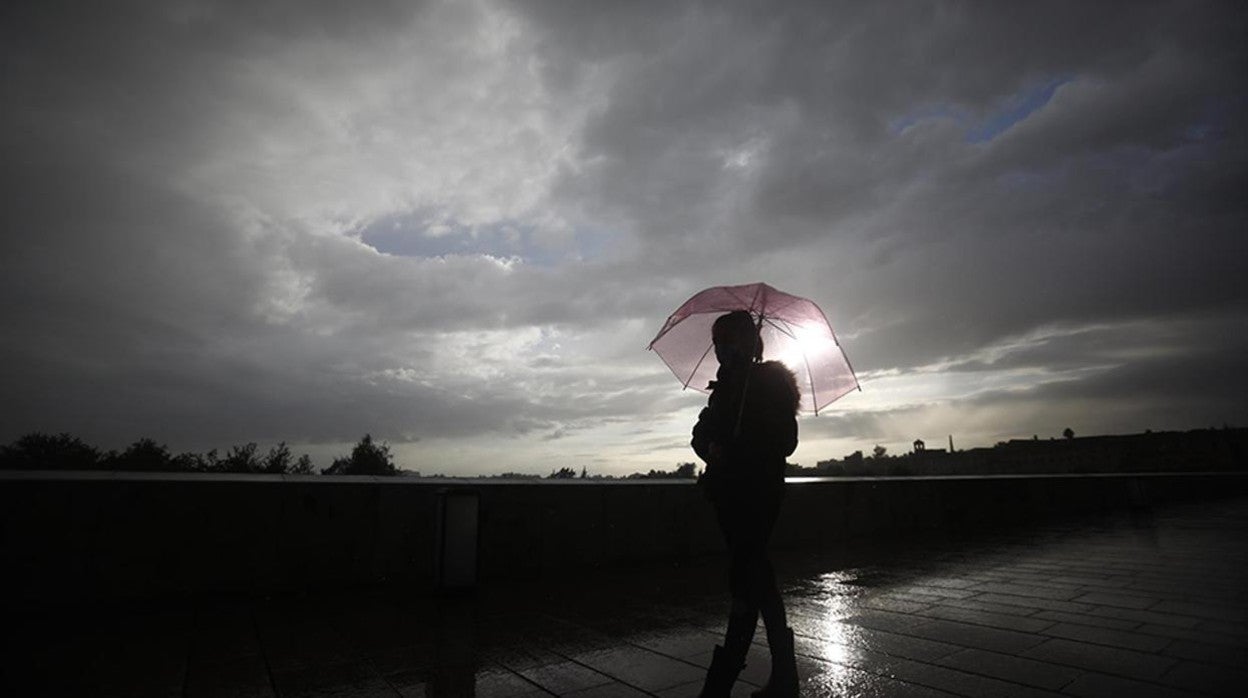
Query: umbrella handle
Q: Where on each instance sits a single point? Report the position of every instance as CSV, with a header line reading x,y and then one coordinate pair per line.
x,y
745,384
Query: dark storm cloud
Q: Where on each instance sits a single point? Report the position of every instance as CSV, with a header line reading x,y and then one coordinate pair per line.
x,y
197,194
1115,198
132,303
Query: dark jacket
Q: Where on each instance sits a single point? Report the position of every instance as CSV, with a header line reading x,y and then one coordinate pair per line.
x,y
753,453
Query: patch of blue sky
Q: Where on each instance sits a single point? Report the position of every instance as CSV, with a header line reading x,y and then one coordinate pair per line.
x,y
928,112
420,235
985,127
1014,110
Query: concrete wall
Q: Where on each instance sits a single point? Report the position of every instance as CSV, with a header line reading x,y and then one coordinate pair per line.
x,y
118,535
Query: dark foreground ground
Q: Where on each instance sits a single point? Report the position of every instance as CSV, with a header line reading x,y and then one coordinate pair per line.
x,y
1146,605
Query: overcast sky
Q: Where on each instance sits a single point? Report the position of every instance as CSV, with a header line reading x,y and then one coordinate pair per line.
x,y
457,225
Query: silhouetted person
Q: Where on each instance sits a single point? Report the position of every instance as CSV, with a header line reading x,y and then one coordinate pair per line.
x,y
744,434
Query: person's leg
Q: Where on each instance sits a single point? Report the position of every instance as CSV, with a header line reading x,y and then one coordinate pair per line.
x,y
783,678
766,592
770,602
743,618
728,659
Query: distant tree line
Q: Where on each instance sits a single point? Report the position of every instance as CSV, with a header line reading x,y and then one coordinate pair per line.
x,y
683,471
367,458
38,451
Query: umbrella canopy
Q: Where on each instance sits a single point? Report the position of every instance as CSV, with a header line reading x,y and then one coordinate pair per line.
x,y
794,331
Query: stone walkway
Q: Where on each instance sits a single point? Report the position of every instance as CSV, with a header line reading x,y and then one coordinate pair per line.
x,y
1151,605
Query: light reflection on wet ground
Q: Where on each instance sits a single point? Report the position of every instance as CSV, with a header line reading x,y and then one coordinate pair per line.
x,y
1108,606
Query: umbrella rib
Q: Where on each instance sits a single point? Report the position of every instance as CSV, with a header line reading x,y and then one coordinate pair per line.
x,y
844,356
697,366
783,303
738,299
810,378
666,326
784,329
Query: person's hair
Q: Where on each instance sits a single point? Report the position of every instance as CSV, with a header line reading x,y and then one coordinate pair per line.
x,y
739,325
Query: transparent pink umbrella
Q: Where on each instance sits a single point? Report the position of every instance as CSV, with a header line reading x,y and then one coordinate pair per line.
x,y
794,331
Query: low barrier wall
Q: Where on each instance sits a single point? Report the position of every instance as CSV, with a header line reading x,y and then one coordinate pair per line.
x,y
77,536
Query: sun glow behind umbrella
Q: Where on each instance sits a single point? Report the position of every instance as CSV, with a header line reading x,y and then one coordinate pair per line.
x,y
804,345
799,347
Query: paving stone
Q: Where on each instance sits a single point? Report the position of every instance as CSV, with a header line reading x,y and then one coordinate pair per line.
x,y
802,623
1201,610
1102,598
1033,603
612,690
884,620
967,635
1088,580
1087,619
897,605
977,604
1224,627
1234,656
833,680
946,582
995,620
495,683
901,645
1109,660
1145,617
565,677
1029,591
1045,581
1206,678
679,643
635,666
1195,587
942,678
1201,636
1094,685
1010,668
693,689
938,592
986,577
1106,636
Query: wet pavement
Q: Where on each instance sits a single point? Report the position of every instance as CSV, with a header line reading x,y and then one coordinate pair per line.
x,y
1145,605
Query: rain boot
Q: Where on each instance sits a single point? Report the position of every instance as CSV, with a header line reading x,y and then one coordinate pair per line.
x,y
722,674
783,680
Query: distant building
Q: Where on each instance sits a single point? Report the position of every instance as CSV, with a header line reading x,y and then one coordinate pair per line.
x,y
1173,451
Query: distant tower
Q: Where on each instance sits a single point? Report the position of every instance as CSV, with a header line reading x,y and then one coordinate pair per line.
x,y
951,443
919,446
